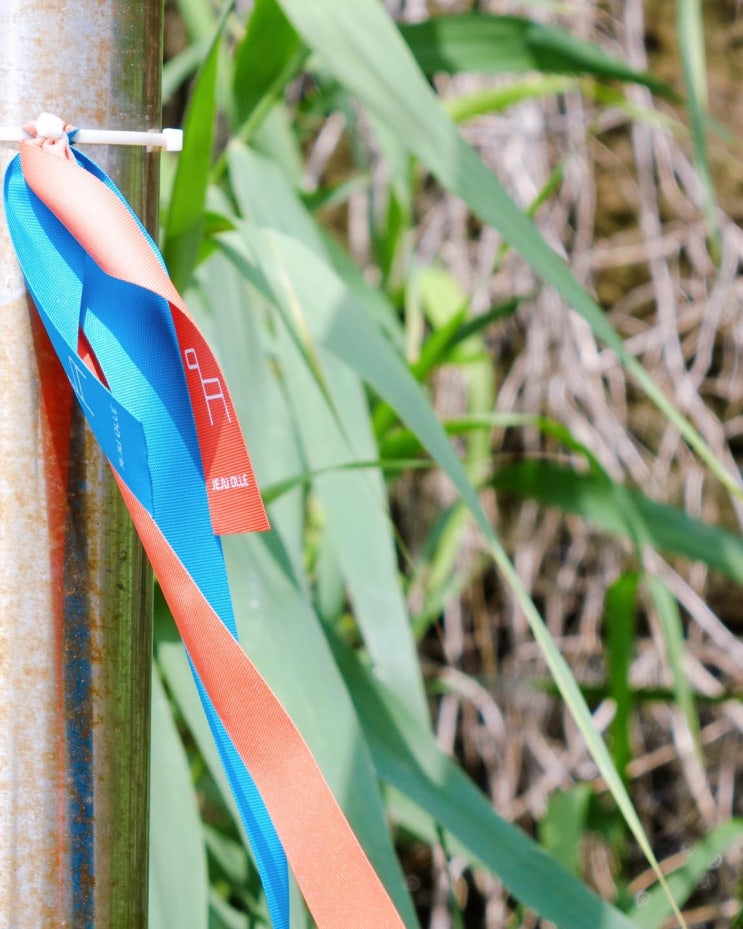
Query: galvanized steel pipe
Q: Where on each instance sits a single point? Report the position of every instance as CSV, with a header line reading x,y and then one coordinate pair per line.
x,y
74,607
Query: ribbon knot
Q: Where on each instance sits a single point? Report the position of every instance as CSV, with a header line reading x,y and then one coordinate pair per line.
x,y
52,134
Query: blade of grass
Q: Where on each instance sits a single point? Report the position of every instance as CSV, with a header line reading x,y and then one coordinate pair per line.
x,y
224,916
198,18
497,99
354,502
174,811
252,176
673,634
185,221
179,68
667,528
690,28
408,441
620,612
512,44
653,910
562,827
269,43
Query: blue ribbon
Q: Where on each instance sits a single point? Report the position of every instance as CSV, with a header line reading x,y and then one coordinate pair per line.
x,y
144,422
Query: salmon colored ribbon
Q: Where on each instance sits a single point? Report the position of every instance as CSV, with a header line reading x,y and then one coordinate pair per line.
x,y
109,257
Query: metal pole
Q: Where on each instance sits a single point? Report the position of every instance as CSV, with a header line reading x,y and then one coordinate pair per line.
x,y
74,607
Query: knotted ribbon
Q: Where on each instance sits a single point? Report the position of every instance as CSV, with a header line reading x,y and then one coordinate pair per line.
x,y
158,404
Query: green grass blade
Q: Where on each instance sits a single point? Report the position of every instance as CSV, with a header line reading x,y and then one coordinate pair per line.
x,y
185,222
404,441
497,99
621,612
223,916
409,759
334,427
362,48
358,524
598,500
178,877
562,827
512,44
269,44
690,27
673,634
252,176
653,910
265,196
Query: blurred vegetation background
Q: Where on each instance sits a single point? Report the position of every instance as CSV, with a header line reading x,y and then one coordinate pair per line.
x,y
473,271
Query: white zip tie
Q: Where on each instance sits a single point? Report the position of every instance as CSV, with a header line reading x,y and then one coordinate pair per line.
x,y
169,139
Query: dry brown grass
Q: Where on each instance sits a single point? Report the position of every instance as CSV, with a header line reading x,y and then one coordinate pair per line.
x,y
628,219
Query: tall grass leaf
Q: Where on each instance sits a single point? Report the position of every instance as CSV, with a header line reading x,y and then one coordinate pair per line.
x,y
443,301
373,299
690,27
360,45
409,760
496,99
342,326
266,196
512,44
185,220
355,507
595,499
439,348
673,635
620,621
178,876
562,827
653,910
405,439
355,503
274,137
261,58
227,856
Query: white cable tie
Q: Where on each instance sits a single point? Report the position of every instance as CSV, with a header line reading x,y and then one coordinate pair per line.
x,y
169,139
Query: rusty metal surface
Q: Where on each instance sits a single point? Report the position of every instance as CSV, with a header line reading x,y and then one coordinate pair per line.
x,y
74,627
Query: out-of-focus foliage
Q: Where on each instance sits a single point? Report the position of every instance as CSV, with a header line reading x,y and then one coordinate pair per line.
x,y
321,138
